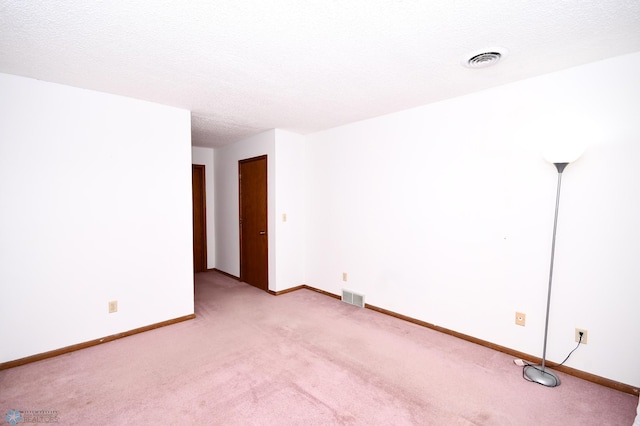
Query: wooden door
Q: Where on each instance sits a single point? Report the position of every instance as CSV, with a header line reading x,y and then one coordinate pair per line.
x,y
254,238
199,218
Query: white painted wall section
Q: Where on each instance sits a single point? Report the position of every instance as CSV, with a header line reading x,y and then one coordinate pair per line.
x,y
285,181
290,220
95,206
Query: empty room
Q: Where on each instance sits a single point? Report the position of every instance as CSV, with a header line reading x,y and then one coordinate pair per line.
x,y
315,212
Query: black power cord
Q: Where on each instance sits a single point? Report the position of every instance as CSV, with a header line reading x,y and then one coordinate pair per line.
x,y
526,364
574,349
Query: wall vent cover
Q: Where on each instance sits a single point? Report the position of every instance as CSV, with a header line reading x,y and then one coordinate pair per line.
x,y
353,298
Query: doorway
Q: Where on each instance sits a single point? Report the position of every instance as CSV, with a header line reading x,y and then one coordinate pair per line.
x,y
198,192
254,241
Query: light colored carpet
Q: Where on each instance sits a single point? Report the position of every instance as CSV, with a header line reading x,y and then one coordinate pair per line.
x,y
302,358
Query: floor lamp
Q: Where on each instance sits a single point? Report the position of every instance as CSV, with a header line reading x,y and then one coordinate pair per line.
x,y
535,373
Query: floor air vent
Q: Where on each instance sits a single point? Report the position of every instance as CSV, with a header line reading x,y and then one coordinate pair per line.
x,y
353,298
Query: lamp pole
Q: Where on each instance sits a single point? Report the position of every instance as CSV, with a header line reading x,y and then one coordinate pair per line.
x,y
532,372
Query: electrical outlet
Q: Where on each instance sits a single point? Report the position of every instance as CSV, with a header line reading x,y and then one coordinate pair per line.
x,y
344,276
113,306
584,335
521,318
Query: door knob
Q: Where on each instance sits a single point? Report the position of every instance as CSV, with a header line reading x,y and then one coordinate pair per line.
x,y
262,232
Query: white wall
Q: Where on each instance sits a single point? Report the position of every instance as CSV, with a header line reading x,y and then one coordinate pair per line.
x,y
285,170
95,206
444,213
204,156
227,200
290,196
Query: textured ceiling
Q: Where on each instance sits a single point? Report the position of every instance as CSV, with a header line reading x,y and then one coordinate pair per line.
x,y
244,66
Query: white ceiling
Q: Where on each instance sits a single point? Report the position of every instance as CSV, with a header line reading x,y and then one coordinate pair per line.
x,y
244,66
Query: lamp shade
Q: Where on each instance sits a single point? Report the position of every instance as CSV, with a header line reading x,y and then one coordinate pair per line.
x,y
562,135
563,151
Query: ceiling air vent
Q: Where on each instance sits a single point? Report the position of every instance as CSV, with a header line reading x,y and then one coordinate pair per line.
x,y
483,60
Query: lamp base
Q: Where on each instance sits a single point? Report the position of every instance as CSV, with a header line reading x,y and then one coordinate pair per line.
x,y
543,377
